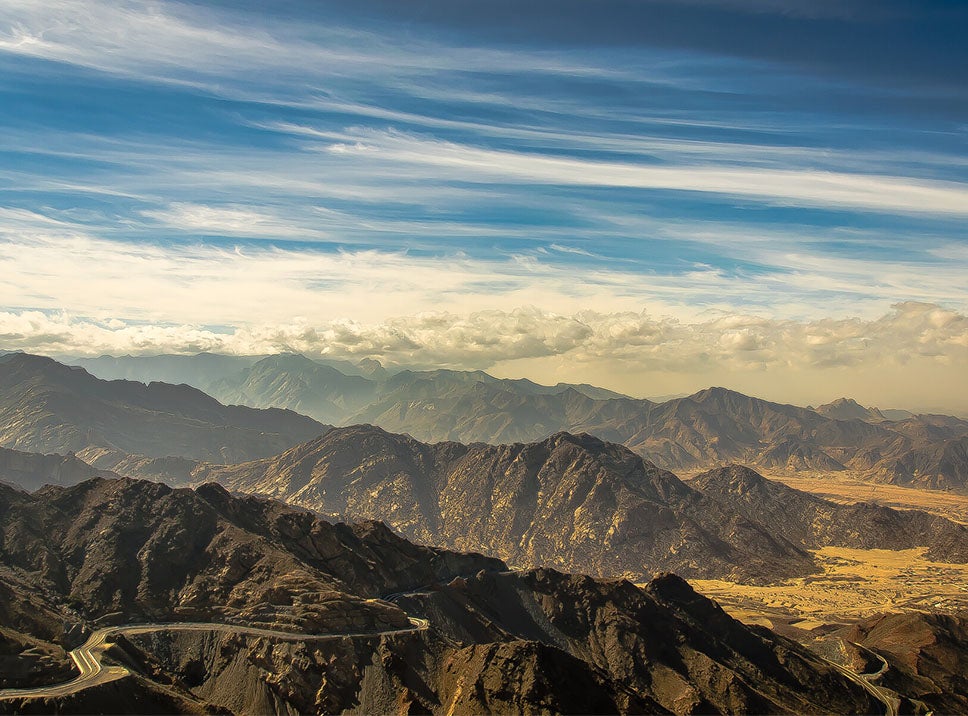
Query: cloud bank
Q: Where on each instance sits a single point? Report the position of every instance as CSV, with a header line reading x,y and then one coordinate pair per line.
x,y
635,352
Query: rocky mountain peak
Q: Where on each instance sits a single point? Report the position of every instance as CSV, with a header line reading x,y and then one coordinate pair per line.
x,y
733,478
849,409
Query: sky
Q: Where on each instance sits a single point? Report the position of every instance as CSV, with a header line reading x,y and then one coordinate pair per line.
x,y
650,195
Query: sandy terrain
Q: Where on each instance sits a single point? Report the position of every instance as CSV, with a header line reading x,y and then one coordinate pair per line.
x,y
855,583
839,487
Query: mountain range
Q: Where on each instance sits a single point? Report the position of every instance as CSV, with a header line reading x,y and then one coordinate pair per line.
x,y
494,640
331,603
569,501
580,504
691,434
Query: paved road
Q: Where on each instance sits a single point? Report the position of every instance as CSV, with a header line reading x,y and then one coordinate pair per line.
x,y
891,702
87,658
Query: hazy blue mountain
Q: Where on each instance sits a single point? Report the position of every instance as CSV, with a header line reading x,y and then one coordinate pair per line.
x,y
49,407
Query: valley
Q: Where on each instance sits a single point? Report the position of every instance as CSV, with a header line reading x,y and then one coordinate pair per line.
x,y
854,584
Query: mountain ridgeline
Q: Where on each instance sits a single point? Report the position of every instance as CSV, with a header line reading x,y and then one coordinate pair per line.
x,y
572,502
701,431
48,407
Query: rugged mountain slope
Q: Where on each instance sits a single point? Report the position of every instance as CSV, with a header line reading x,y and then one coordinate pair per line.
x,y
934,465
570,501
497,640
811,522
152,552
48,407
695,657
793,454
30,471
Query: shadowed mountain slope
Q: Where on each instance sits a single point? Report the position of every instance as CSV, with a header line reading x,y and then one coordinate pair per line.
x,y
46,406
147,550
30,471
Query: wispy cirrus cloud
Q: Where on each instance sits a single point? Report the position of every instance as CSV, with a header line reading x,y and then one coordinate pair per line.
x,y
182,176
803,187
185,43
231,220
55,262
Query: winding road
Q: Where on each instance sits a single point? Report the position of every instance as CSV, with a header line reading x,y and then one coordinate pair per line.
x,y
93,672
887,697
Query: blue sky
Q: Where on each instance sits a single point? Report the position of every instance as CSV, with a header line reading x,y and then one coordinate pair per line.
x,y
783,181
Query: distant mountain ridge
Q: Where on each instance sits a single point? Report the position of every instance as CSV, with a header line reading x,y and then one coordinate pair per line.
x,y
697,432
48,407
31,471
